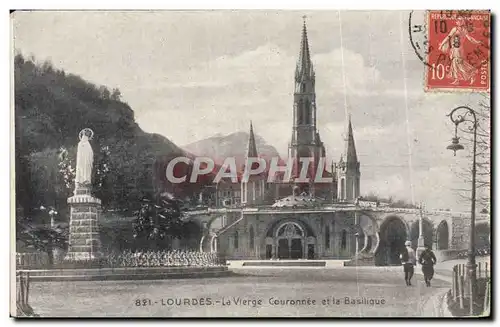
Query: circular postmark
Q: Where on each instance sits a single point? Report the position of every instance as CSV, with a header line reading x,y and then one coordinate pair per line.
x,y
437,35
417,31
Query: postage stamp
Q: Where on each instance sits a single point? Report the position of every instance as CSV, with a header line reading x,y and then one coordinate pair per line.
x,y
208,164
458,53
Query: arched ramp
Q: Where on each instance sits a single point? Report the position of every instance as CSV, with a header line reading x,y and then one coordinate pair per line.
x,y
393,234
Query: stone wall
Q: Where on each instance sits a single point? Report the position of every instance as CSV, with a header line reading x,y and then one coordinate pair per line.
x,y
265,225
321,219
459,232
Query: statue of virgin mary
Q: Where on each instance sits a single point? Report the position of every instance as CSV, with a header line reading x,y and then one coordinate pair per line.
x,y
84,158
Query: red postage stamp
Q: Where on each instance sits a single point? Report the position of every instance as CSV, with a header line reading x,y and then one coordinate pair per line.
x,y
458,54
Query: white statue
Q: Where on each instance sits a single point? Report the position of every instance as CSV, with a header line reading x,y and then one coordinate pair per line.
x,y
84,158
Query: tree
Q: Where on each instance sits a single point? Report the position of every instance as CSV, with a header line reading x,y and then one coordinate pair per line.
x,y
159,220
47,183
116,95
105,94
37,233
101,187
51,108
393,203
375,198
67,171
47,67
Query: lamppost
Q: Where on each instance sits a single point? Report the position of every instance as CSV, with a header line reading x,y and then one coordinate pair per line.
x,y
458,116
50,244
357,226
343,191
52,213
421,240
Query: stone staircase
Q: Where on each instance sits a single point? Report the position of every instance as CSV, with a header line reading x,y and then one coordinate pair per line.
x,y
226,228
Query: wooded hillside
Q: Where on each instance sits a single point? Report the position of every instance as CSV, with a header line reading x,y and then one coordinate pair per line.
x,y
51,107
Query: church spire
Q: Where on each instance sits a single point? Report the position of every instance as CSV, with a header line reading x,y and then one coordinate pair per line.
x,y
349,173
351,155
305,138
252,147
304,64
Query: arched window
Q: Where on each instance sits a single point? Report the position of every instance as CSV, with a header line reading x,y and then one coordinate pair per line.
x,y
300,112
307,112
235,240
252,241
343,242
327,237
356,192
290,230
342,189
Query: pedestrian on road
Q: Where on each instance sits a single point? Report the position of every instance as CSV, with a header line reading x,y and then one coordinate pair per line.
x,y
427,259
409,260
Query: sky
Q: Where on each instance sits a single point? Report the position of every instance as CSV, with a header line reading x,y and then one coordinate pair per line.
x,y
192,75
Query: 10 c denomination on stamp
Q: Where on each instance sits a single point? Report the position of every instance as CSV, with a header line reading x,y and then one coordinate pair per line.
x,y
458,51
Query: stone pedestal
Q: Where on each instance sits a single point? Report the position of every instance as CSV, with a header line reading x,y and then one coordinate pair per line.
x,y
84,241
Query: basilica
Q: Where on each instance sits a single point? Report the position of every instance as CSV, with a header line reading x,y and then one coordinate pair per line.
x,y
305,143
255,219
289,217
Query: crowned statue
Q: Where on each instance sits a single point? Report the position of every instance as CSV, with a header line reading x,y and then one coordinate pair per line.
x,y
84,242
84,159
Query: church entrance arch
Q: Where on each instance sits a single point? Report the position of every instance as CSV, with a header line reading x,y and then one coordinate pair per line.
x,y
393,234
291,240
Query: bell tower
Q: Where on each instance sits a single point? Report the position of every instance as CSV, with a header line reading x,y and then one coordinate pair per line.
x,y
252,190
349,172
305,137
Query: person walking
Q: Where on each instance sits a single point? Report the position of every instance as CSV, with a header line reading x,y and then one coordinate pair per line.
x,y
409,260
427,259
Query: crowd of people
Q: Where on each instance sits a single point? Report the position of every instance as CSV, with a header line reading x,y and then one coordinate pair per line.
x,y
164,258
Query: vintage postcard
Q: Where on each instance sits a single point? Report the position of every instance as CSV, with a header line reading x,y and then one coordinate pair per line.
x,y
251,164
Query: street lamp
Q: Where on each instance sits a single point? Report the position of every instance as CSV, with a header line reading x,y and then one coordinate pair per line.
x,y
52,213
458,116
357,226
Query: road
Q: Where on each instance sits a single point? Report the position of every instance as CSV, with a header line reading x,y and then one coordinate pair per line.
x,y
317,293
